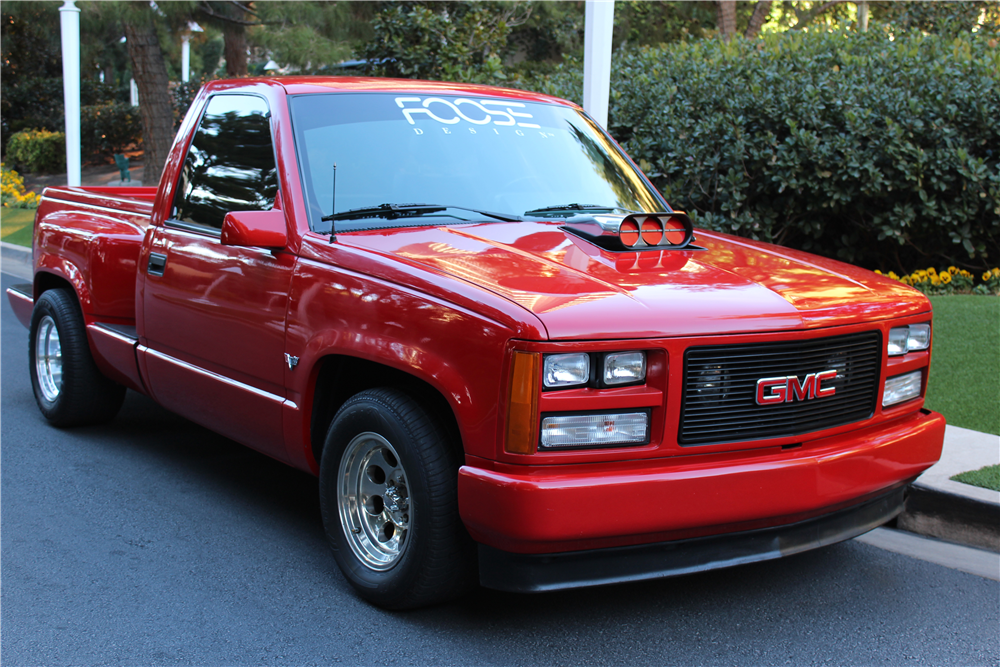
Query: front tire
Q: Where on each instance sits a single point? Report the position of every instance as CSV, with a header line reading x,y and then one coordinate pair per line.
x,y
388,493
69,388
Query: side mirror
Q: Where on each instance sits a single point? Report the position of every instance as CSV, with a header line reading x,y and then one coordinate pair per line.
x,y
255,229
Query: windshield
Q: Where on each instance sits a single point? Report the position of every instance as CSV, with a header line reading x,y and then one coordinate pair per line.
x,y
476,154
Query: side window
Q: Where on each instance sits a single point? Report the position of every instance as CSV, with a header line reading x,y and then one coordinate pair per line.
x,y
230,164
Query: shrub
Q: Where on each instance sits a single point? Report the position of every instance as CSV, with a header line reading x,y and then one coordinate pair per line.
x,y
12,191
38,103
109,128
38,150
881,153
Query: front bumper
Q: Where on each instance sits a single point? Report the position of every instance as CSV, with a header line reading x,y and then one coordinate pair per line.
x,y
532,573
558,509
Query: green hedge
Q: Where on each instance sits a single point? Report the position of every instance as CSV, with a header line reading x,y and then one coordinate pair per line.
x,y
37,151
881,153
109,128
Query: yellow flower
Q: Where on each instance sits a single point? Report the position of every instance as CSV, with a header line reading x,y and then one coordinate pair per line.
x,y
952,270
893,276
945,278
987,275
931,271
920,274
935,281
964,274
996,271
878,272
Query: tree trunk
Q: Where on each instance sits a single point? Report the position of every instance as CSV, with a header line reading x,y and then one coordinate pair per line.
x,y
760,12
155,106
235,36
726,14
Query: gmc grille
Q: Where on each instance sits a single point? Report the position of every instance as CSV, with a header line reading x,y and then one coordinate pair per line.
x,y
720,382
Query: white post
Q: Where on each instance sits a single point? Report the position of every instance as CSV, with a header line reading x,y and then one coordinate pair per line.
x,y
863,15
600,22
69,23
186,58
133,93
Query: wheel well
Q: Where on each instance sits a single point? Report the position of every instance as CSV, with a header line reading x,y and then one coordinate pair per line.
x,y
45,281
341,377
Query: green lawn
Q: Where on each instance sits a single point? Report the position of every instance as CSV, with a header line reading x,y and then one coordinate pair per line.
x,y
987,478
16,225
964,384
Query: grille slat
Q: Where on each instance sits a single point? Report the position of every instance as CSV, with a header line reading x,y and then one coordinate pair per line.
x,y
756,374
857,402
719,402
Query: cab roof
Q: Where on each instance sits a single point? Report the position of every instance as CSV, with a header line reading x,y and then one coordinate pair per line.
x,y
304,85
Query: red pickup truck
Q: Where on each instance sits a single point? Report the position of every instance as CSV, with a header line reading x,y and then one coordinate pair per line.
x,y
504,355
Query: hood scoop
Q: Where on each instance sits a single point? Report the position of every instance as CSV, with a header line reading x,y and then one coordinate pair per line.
x,y
635,232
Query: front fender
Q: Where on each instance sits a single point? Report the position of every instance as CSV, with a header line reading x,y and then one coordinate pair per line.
x,y
458,352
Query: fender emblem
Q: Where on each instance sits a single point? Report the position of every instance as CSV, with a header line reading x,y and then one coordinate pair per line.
x,y
771,391
291,361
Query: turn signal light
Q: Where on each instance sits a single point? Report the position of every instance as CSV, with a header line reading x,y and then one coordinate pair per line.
x,y
522,408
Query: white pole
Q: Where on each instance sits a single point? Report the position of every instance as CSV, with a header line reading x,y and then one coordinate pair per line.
x,y
69,23
863,15
133,93
600,22
185,58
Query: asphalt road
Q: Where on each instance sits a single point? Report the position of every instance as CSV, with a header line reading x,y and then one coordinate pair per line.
x,y
151,541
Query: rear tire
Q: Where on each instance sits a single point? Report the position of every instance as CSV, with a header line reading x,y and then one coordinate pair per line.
x,y
69,389
388,493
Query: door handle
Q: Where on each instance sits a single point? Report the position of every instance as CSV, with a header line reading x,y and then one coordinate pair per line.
x,y
157,263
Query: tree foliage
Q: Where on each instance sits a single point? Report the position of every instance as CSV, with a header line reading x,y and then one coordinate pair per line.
x,y
447,40
311,36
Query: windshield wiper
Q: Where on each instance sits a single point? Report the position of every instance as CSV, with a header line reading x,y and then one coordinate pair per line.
x,y
393,211
573,207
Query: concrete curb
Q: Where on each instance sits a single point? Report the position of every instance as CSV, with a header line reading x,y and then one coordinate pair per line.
x,y
16,260
951,517
953,511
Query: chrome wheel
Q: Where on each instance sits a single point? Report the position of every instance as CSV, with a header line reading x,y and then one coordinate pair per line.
x,y
374,501
48,359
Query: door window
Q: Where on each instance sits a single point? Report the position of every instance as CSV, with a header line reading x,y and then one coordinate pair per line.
x,y
230,165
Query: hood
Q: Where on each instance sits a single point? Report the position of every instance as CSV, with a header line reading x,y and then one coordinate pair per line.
x,y
580,291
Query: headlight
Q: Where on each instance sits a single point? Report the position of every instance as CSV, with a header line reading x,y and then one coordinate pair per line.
x,y
902,388
566,370
595,430
624,368
908,339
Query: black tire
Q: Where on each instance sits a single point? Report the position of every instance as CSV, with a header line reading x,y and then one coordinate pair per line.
x,y
69,389
434,558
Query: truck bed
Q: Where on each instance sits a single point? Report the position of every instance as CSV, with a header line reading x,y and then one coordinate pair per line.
x,y
125,199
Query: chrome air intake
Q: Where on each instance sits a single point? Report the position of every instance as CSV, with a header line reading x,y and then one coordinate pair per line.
x,y
634,232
